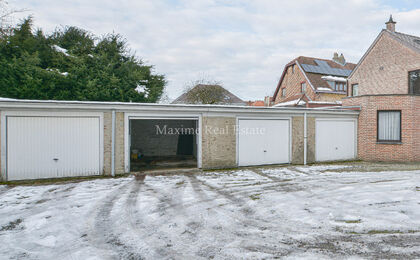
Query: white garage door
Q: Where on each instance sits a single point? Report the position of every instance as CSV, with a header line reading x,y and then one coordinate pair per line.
x,y
335,140
263,142
52,147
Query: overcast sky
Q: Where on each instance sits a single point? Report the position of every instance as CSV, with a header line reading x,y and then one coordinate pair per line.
x,y
243,44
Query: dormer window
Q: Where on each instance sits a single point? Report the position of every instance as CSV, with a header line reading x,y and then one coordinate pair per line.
x,y
336,83
331,84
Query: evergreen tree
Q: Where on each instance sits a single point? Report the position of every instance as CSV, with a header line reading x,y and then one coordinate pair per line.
x,y
72,64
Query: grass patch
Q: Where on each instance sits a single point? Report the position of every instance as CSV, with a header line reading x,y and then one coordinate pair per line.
x,y
384,232
353,221
255,196
12,225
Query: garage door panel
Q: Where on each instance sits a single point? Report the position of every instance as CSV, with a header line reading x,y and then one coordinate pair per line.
x,y
335,140
51,147
263,142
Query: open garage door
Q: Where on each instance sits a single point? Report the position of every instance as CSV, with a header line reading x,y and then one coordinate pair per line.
x,y
263,141
163,143
335,139
52,147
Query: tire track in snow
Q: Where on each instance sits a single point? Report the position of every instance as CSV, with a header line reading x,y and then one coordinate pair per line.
x,y
146,233
253,236
249,216
101,231
156,241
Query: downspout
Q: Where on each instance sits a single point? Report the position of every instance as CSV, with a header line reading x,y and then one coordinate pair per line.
x,y
305,138
113,143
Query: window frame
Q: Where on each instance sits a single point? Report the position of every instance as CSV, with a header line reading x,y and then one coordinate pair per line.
x,y
352,90
377,128
301,87
411,90
283,92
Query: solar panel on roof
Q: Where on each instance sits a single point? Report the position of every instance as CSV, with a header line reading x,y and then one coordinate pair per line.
x,y
324,68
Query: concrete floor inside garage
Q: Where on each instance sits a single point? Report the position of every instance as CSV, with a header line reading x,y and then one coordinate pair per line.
x,y
162,144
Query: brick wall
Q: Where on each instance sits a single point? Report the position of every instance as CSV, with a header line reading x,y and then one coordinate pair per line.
x,y
329,97
385,69
368,148
383,85
292,82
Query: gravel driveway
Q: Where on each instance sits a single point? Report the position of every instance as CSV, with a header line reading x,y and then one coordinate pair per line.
x,y
324,211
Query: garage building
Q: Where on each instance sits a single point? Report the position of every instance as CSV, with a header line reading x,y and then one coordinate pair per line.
x,y
52,139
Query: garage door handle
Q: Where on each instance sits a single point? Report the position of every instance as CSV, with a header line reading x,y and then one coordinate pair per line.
x,y
55,159
265,151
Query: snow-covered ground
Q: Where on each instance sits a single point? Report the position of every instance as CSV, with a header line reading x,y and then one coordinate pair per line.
x,y
291,212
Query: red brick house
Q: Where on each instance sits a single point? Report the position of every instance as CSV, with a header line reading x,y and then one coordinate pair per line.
x,y
313,82
386,86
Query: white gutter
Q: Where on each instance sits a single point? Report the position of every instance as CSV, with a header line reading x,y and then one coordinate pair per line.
x,y
305,139
161,108
113,143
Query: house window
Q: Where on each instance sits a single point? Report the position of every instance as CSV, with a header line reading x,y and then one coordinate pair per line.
x,y
283,92
293,69
414,82
355,90
303,87
389,126
331,84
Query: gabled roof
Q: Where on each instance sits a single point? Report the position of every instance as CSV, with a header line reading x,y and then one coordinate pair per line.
x,y
228,97
314,69
410,41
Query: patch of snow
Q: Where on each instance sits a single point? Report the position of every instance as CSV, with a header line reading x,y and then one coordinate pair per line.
x,y
142,89
59,49
48,241
288,103
334,78
56,70
305,211
324,89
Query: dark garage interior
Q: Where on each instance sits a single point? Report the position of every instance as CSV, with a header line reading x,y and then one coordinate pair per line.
x,y
162,143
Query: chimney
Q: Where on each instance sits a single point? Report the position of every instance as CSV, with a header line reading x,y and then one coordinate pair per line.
x,y
342,60
267,101
335,57
339,59
390,25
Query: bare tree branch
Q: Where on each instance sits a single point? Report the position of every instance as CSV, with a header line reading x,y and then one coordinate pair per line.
x,y
6,17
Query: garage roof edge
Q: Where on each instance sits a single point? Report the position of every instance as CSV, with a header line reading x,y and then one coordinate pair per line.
x,y
122,106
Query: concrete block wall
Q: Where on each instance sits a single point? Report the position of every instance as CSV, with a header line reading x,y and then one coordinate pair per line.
x,y
298,140
107,142
218,142
119,142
